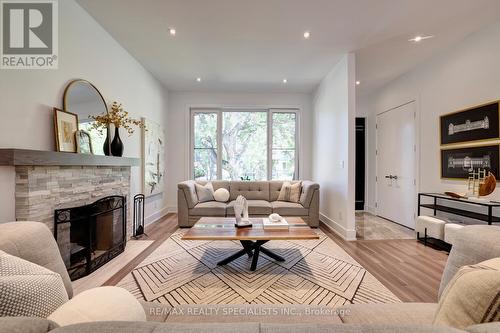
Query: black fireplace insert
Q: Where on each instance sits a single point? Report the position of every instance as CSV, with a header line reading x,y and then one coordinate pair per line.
x,y
90,236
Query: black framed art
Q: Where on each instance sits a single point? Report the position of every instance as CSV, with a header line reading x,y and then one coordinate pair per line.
x,y
456,163
473,124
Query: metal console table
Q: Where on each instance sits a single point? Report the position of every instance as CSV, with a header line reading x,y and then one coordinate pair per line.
x,y
438,204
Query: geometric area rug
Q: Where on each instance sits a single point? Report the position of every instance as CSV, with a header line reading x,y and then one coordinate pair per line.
x,y
316,272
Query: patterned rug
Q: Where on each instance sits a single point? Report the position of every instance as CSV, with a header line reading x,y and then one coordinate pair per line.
x,y
316,272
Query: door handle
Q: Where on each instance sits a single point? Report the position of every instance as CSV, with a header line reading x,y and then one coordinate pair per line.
x,y
391,177
395,177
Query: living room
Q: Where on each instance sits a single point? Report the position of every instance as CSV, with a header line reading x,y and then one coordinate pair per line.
x,y
258,166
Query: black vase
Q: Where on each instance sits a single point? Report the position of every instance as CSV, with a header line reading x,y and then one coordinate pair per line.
x,y
117,144
105,147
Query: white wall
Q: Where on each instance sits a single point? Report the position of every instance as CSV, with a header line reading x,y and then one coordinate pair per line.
x,y
465,75
86,51
334,147
178,128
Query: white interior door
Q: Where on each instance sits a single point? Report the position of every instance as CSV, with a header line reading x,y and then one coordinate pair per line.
x,y
396,159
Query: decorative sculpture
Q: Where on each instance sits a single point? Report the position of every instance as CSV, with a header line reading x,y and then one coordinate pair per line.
x,y
479,184
241,212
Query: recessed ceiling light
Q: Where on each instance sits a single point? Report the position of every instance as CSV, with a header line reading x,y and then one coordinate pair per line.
x,y
358,83
417,39
285,80
198,79
172,31
307,35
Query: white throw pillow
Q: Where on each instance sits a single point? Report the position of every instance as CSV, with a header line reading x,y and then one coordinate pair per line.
x,y
27,289
205,193
99,304
221,195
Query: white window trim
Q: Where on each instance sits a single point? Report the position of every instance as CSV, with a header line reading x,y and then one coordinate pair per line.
x,y
270,111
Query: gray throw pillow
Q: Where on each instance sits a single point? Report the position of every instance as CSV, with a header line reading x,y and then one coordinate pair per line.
x,y
290,192
27,289
205,193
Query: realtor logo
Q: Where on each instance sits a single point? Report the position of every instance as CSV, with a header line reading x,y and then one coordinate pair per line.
x,y
29,34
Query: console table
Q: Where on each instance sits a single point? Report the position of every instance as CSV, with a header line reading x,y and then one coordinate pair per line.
x,y
486,206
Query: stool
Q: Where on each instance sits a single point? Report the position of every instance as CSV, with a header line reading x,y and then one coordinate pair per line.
x,y
429,227
450,232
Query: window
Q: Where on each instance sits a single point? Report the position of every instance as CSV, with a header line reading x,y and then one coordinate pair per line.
x,y
244,144
205,145
283,147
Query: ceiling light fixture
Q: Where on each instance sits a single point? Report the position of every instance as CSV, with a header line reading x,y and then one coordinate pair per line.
x,y
172,31
358,83
417,39
307,35
198,79
285,80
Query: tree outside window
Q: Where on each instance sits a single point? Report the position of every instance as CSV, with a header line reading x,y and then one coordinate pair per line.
x,y
246,150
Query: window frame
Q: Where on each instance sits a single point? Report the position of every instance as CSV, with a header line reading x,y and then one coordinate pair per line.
x,y
269,111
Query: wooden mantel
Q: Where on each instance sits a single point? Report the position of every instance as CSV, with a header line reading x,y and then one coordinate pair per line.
x,y
18,157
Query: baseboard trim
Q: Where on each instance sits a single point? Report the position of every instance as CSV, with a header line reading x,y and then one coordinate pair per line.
x,y
346,234
158,215
172,209
370,209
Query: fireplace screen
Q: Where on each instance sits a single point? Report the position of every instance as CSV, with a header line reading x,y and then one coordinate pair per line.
x,y
89,236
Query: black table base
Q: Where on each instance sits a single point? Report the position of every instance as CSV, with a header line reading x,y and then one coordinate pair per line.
x,y
252,249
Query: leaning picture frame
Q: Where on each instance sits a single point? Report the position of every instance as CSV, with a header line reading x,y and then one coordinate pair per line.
x,y
65,127
83,142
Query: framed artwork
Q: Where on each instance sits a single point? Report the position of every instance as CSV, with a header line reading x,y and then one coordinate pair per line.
x,y
83,142
474,124
65,125
456,163
153,157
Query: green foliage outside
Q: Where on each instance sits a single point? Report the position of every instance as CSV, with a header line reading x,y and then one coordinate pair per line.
x,y
244,145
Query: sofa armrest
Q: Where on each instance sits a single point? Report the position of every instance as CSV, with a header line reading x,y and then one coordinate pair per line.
x,y
99,304
473,244
156,312
26,324
308,188
189,191
484,328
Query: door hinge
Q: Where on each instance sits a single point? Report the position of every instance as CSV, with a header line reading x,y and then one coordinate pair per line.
x,y
376,179
376,152
376,205
376,126
414,182
415,148
414,115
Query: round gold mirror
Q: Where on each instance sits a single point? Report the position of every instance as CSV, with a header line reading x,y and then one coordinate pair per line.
x,y
82,98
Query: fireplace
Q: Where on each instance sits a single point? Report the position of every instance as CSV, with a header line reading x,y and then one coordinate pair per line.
x,y
91,235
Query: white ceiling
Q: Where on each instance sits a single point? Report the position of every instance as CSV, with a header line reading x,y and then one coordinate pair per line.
x,y
251,45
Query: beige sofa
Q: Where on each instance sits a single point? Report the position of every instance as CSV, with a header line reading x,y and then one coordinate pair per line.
x,y
33,242
262,199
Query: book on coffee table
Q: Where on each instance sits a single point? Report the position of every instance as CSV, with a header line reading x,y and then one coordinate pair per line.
x,y
268,224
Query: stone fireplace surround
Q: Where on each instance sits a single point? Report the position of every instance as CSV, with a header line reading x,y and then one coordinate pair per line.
x,y
46,181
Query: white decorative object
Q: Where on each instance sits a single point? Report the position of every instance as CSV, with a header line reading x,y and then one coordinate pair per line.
x,y
221,195
275,217
241,210
275,224
153,157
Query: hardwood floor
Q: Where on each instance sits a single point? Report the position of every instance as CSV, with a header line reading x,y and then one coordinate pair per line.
x,y
409,269
372,227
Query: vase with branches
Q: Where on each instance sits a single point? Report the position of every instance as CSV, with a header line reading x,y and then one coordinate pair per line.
x,y
120,119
